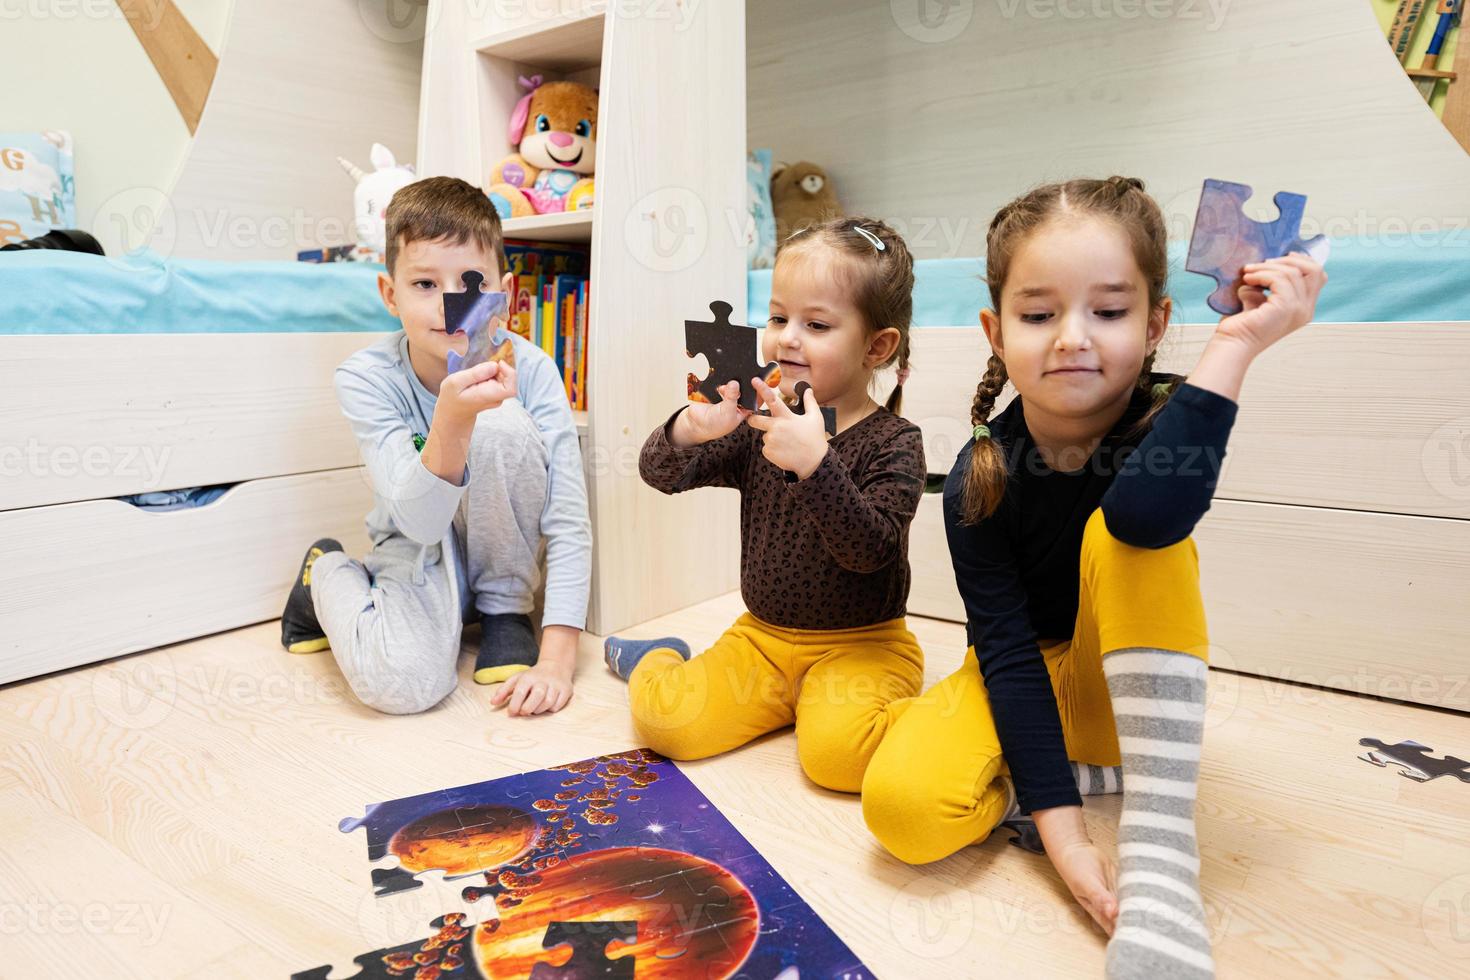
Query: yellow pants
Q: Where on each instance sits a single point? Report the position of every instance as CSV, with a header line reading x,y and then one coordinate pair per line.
x,y
931,788
839,687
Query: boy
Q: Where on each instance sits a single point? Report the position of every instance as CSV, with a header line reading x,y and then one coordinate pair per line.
x,y
472,472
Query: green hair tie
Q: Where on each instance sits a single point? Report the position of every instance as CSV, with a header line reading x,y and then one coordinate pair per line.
x,y
1162,389
982,432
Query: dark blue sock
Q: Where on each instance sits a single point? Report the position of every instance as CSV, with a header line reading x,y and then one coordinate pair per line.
x,y
621,655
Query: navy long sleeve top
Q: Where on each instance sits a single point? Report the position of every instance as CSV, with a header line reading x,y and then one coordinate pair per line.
x,y
1017,570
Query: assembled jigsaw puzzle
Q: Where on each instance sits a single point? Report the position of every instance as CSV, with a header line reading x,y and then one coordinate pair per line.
x,y
1413,760
481,317
1225,240
616,866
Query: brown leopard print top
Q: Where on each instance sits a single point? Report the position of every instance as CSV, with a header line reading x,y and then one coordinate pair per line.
x,y
826,553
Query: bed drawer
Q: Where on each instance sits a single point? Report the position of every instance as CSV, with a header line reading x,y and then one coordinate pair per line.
x,y
86,581
932,591
86,417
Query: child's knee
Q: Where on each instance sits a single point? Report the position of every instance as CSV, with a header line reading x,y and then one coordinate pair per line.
x,y
1100,549
904,814
831,760
401,694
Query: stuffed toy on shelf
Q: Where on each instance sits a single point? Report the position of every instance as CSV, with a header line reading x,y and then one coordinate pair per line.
x,y
801,195
554,127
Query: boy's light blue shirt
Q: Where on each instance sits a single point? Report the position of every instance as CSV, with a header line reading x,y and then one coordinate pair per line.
x,y
386,405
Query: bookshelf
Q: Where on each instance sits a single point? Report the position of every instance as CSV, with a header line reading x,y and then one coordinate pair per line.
x,y
670,176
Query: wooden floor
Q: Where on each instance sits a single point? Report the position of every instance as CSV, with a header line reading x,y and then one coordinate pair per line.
x,y
174,814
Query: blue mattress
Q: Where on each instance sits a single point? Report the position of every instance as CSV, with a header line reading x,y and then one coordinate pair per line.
x,y
1370,280
52,292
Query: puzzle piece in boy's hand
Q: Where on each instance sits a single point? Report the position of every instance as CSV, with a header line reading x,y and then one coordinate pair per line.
x,y
1413,760
589,942
798,407
480,316
730,349
1225,240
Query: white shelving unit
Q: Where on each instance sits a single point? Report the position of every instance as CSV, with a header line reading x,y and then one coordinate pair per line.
x,y
670,176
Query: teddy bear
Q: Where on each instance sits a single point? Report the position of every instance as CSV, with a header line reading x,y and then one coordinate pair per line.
x,y
801,196
554,127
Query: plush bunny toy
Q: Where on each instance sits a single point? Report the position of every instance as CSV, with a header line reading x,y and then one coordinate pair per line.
x,y
370,200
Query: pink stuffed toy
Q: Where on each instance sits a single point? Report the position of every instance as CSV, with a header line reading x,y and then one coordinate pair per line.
x,y
554,125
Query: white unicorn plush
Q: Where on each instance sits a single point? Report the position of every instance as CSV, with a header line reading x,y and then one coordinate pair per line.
x,y
370,200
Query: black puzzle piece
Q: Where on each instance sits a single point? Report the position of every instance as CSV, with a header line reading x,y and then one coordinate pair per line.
x,y
730,349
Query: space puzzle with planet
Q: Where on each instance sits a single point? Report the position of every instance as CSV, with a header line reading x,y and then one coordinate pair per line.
x,y
613,867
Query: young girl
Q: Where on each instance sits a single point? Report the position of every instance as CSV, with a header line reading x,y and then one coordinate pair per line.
x,y
1080,581
824,524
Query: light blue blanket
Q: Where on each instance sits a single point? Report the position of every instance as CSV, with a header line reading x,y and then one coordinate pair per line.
x,y
53,292
1370,280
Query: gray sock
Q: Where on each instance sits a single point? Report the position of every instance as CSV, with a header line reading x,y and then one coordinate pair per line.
x,y
1097,780
1159,706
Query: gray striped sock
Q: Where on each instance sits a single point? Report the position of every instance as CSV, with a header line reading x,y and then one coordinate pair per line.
x,y
1097,780
1159,706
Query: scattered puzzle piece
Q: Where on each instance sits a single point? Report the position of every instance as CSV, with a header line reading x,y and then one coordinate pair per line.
x,y
1414,761
481,316
730,349
1225,240
1025,835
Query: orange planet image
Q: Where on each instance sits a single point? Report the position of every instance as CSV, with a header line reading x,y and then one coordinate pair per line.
x,y
694,918
498,835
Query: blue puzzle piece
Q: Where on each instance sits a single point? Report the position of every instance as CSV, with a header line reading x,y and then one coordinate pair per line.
x,y
1225,240
480,316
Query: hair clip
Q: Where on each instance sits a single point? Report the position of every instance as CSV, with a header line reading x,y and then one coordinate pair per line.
x,y
877,242
982,432
1162,389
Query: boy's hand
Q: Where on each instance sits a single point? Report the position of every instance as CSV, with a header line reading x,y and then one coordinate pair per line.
x,y
465,394
797,443
542,689
1294,281
547,687
701,423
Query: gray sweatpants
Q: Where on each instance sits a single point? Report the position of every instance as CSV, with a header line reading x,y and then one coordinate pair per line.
x,y
395,618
